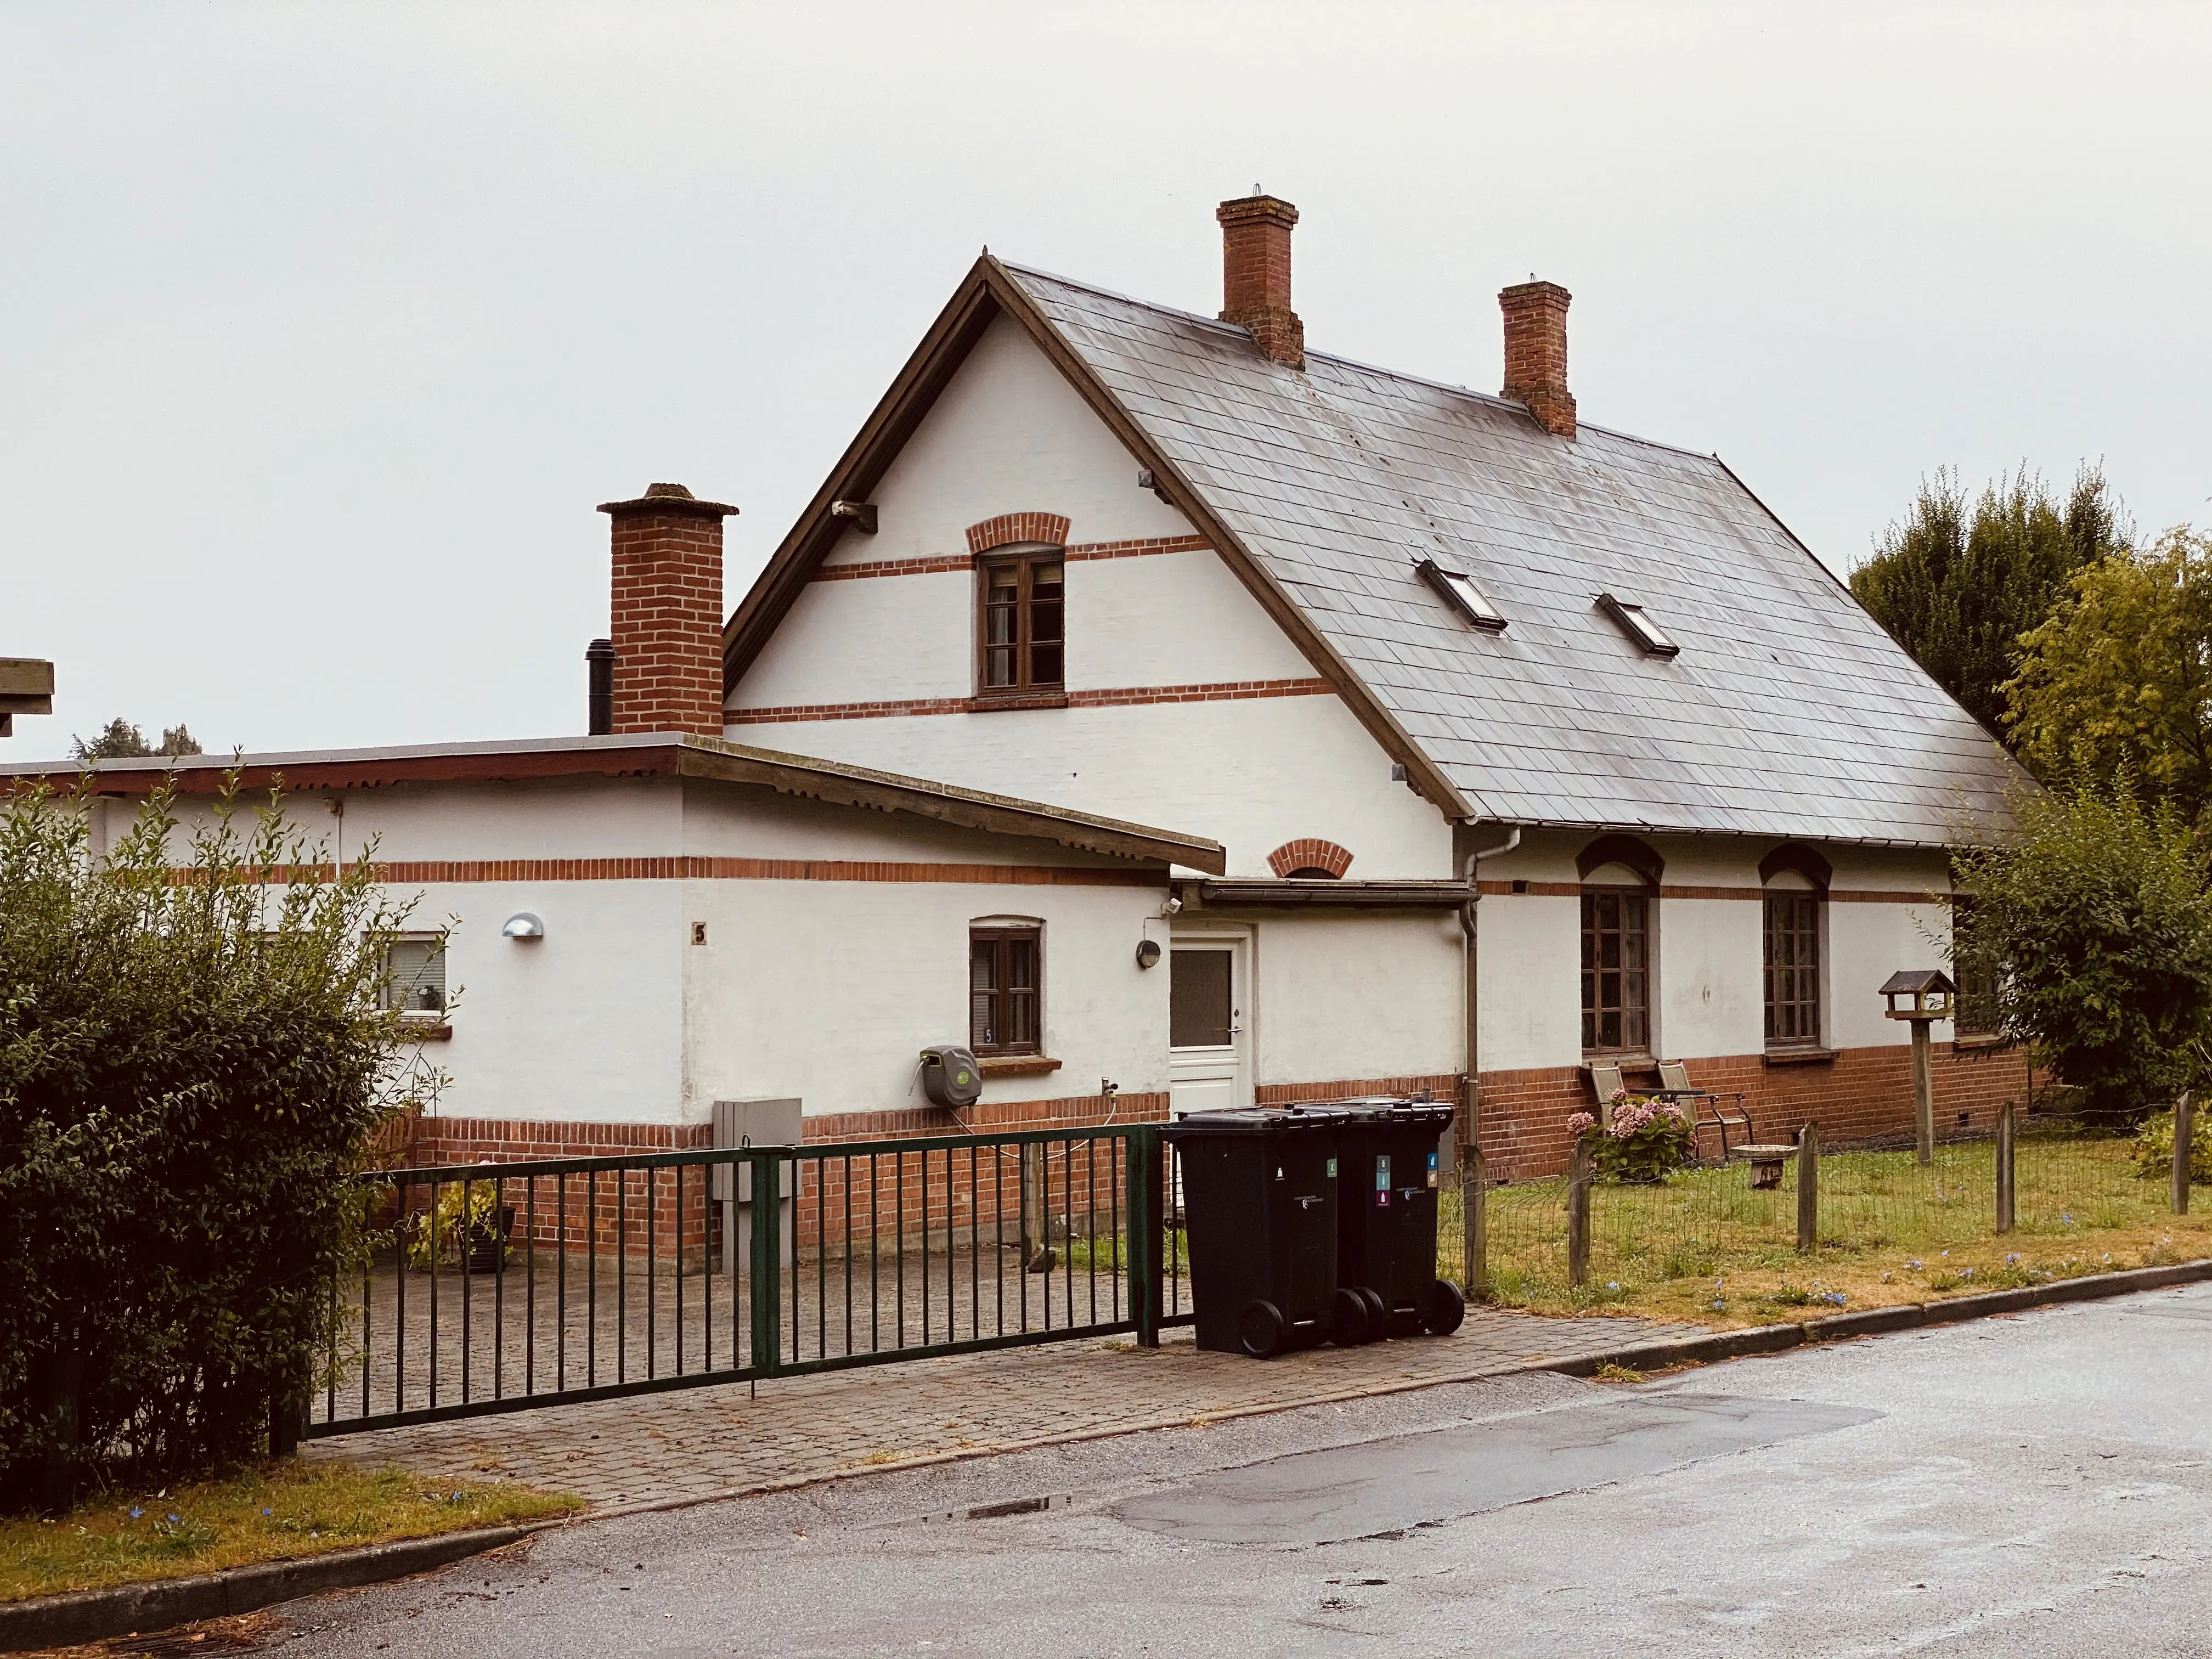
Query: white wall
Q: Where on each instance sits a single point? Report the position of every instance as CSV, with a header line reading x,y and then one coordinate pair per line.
x,y
1531,999
1011,435
1345,995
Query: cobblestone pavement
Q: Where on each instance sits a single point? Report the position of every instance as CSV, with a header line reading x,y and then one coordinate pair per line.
x,y
692,1444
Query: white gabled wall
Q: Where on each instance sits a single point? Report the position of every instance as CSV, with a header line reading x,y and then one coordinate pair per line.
x,y
1010,435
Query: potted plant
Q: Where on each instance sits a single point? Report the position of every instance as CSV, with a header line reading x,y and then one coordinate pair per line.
x,y
467,1227
1647,1140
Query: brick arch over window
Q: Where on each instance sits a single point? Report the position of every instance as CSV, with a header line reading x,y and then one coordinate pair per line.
x,y
1049,528
1638,856
1307,853
1795,856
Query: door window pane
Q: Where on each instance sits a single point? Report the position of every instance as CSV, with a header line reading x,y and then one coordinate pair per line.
x,y
1200,1014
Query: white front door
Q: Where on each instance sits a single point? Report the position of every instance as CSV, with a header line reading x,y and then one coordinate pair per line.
x,y
1209,1033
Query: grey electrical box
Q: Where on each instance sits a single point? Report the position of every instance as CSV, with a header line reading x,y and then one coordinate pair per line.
x,y
751,1123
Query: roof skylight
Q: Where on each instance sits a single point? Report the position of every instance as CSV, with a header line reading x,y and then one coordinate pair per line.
x,y
1465,597
1638,626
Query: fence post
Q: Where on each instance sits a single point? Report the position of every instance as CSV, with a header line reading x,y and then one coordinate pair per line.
x,y
1808,1187
1578,1200
1923,1095
1474,1223
1144,1245
2005,1153
285,1415
1037,1209
2185,1138
764,1272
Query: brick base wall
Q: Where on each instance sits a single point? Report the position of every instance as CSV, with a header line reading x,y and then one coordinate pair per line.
x,y
1861,1095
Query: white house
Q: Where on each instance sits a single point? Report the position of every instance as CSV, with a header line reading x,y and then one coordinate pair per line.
x,y
1493,743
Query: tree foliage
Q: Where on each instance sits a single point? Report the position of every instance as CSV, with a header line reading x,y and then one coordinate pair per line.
x,y
121,740
1957,586
2118,680
193,1057
2095,914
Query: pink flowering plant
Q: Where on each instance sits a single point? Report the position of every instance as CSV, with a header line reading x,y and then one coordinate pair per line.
x,y
1649,1140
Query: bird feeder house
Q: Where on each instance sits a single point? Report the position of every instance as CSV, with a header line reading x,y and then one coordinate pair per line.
x,y
1928,993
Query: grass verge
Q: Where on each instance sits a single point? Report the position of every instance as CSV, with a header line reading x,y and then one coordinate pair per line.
x,y
1706,1247
274,1511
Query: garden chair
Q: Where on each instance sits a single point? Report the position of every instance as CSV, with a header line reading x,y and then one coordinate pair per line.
x,y
1604,1078
1702,1105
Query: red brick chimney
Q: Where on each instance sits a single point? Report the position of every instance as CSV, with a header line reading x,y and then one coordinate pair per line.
x,y
667,612
1256,275
1536,353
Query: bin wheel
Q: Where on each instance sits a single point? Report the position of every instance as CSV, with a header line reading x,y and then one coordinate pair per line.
x,y
1379,1316
1446,1310
1259,1329
1350,1322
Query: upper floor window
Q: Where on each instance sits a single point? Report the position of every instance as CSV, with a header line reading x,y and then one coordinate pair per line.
x,y
1005,989
1021,635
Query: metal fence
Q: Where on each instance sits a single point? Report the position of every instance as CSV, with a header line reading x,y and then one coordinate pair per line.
x,y
500,1287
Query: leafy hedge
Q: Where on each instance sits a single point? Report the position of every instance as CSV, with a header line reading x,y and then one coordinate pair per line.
x,y
193,1056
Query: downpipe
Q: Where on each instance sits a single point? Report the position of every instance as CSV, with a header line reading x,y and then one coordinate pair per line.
x,y
1474,1236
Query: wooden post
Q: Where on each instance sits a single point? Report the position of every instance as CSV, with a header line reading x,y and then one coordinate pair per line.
x,y
1036,1210
1923,1095
1474,1220
1578,1186
284,1416
1808,1186
2005,1152
2184,1137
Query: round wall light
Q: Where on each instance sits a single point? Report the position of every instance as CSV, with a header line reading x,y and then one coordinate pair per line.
x,y
524,925
1148,953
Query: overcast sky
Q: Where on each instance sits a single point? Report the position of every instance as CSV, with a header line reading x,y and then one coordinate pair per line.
x,y
322,329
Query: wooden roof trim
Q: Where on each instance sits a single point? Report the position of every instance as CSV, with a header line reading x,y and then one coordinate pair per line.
x,y
913,394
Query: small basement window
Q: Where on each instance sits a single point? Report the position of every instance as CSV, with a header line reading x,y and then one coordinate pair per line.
x,y
417,985
1637,624
1460,592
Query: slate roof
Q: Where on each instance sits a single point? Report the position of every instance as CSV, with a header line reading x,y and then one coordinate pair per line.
x,y
1789,711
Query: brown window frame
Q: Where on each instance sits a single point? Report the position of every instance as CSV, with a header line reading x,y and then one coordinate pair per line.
x,y
1026,685
1004,940
1634,1016
1975,1006
1809,941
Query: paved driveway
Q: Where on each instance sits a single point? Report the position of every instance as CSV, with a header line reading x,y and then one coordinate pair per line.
x,y
2039,1485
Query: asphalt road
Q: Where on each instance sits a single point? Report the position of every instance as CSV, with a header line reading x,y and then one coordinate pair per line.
x,y
2038,1484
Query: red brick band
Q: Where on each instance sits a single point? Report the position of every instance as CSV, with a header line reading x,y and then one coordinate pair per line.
x,y
949,563
430,871
1835,895
1309,853
1207,691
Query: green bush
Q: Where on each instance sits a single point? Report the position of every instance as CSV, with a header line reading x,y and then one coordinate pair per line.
x,y
193,1056
2153,1147
2095,920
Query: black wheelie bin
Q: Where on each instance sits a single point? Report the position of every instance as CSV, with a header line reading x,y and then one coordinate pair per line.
x,y
1260,1201
1387,1216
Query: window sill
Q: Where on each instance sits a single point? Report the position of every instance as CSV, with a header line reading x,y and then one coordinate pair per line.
x,y
1015,1065
1626,1062
420,1029
985,701
1800,1056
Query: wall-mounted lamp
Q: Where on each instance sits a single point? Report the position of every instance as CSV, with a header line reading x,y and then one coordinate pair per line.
x,y
1148,953
524,925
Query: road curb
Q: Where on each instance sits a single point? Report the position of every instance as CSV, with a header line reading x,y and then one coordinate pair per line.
x,y
1875,1322
53,1621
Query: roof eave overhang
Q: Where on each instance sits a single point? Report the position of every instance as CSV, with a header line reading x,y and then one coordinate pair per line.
x,y
1297,895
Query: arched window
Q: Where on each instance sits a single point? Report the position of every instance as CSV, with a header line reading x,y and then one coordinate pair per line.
x,y
1795,880
1620,909
1021,632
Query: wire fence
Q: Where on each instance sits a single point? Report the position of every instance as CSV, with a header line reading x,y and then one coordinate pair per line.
x,y
1740,1239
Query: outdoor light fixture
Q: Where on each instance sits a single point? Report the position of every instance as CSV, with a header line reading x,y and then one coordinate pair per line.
x,y
524,925
1148,953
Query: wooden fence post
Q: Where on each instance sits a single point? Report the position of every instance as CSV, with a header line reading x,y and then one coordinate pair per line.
x,y
2184,1137
1923,1095
1578,1201
1808,1187
2006,1149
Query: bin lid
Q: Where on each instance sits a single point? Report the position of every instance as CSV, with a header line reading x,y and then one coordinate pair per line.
x,y
1263,1120
1401,1111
